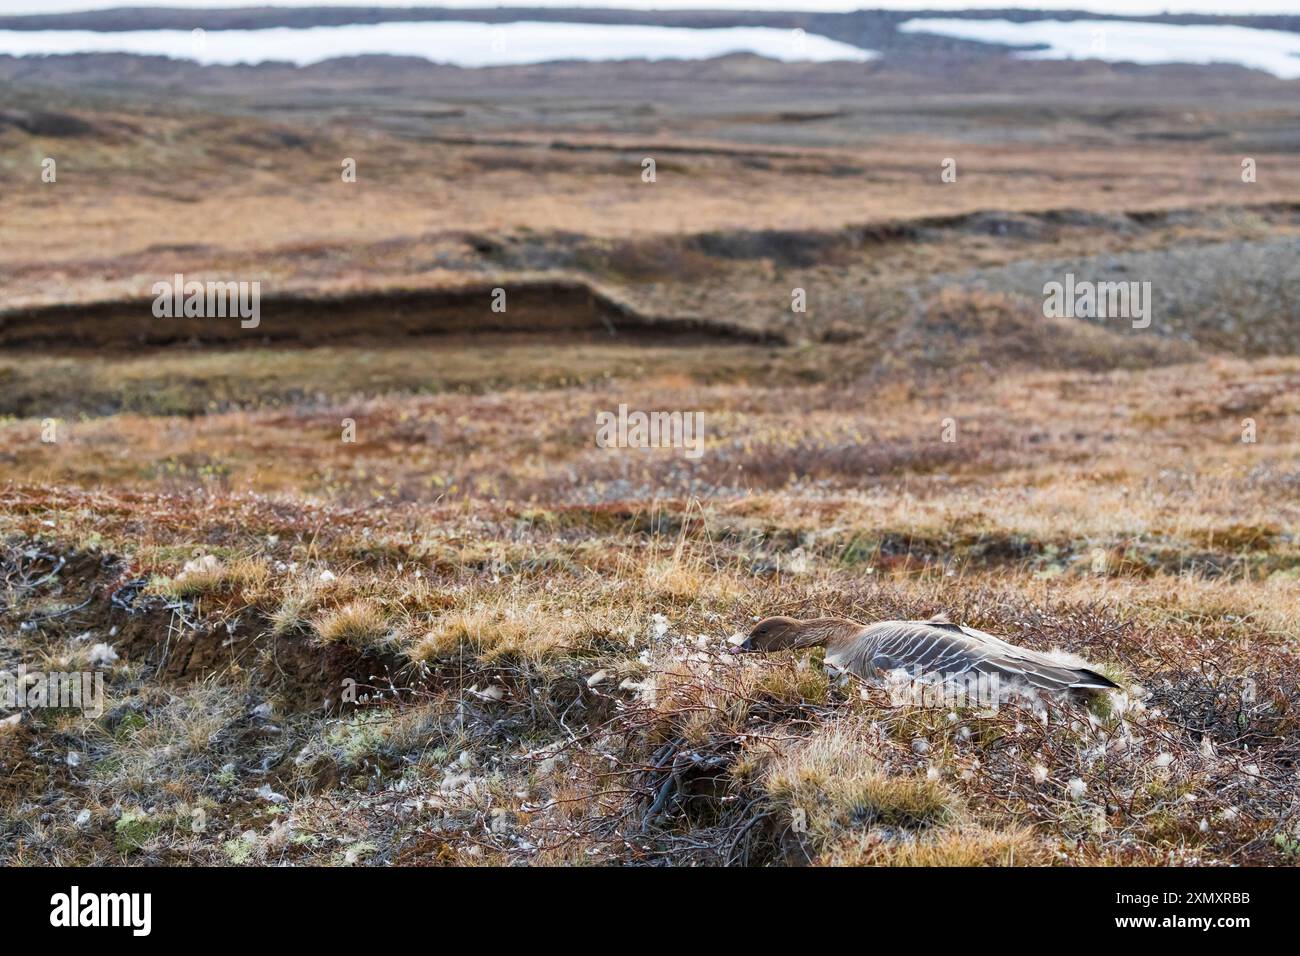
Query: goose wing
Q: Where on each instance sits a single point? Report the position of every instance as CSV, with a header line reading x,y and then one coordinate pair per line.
x,y
930,647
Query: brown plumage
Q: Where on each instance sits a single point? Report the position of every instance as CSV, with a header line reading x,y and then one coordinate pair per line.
x,y
923,648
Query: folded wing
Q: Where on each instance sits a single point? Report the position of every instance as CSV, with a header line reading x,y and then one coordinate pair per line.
x,y
938,647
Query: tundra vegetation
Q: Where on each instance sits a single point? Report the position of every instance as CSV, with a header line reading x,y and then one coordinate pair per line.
x,y
458,631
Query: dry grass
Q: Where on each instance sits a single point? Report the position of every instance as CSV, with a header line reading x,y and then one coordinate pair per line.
x,y
955,847
471,636
493,635
832,781
359,623
208,575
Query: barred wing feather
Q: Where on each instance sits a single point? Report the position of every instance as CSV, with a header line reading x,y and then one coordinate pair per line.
x,y
930,647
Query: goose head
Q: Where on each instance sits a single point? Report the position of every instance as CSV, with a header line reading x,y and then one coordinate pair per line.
x,y
774,634
780,633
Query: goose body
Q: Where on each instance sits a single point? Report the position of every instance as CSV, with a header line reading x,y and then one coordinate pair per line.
x,y
934,650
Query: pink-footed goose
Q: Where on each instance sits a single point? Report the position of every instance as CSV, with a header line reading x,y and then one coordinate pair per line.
x,y
933,647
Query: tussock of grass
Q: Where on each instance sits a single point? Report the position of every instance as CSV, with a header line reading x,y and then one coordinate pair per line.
x,y
960,846
702,697
493,635
679,579
361,624
209,576
297,602
805,682
832,781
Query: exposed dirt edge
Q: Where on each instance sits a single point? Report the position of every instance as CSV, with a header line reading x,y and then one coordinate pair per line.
x,y
547,306
175,643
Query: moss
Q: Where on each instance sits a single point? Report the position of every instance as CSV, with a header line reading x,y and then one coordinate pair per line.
x,y
134,829
129,725
239,850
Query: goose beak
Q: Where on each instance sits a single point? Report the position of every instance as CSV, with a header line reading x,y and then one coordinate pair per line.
x,y
739,644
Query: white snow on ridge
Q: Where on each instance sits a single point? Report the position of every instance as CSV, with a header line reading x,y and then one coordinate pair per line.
x,y
1117,41
460,43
